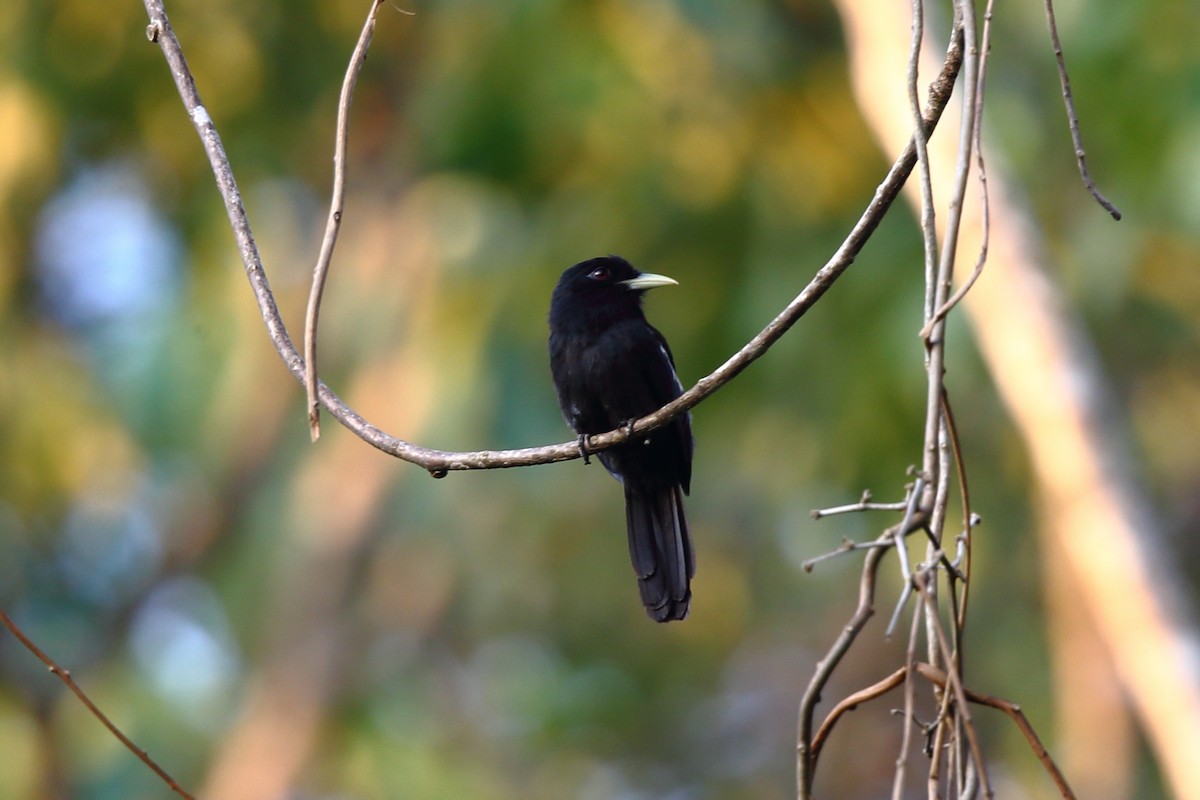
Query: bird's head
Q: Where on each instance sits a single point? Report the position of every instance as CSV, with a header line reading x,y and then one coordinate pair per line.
x,y
608,286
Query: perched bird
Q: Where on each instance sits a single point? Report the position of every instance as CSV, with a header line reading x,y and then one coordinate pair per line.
x,y
611,367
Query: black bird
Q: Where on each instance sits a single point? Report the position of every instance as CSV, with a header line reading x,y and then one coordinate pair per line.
x,y
611,367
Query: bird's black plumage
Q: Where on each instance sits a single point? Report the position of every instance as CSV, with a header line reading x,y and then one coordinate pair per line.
x,y
610,367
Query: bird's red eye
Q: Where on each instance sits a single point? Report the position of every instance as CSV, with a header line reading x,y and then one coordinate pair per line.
x,y
599,274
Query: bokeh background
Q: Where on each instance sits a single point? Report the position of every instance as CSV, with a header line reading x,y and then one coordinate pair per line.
x,y
272,618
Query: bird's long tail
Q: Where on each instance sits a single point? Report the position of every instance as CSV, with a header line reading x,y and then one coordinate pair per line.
x,y
661,550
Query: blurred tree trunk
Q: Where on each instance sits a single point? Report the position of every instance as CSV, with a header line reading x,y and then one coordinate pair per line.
x,y
331,512
1112,592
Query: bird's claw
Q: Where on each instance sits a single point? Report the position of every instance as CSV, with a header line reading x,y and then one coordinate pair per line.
x,y
583,448
628,426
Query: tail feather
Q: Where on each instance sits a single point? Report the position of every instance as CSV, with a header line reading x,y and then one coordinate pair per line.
x,y
661,550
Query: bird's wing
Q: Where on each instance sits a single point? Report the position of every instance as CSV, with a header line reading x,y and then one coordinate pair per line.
x,y
668,388
645,375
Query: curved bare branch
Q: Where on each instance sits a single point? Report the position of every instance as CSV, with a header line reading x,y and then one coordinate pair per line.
x,y
334,222
439,462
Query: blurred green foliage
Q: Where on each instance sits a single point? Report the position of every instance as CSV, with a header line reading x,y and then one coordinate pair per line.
x,y
167,532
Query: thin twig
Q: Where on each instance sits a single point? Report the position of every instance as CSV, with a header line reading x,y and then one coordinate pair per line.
x,y
821,513
934,455
806,755
935,343
970,520
939,677
985,205
955,681
439,462
938,281
806,762
946,721
65,676
941,497
863,504
914,499
937,522
898,609
910,710
846,546
852,702
334,223
1073,117
920,140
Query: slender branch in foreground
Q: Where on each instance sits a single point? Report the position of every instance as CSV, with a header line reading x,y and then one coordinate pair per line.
x,y
847,546
961,568
939,677
954,679
1073,117
805,756
439,462
909,712
920,141
864,504
964,33
334,223
850,703
985,47
806,762
914,500
65,676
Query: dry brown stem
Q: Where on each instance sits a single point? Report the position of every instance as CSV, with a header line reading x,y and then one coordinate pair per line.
x,y
64,675
439,462
334,222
